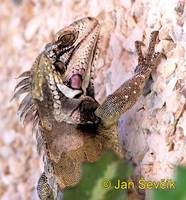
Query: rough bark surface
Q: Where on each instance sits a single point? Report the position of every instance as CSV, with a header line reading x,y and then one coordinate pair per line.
x,y
153,131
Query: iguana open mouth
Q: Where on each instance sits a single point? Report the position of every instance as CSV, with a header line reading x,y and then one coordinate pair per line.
x,y
76,81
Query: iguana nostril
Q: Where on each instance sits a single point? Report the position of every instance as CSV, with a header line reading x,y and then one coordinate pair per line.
x,y
90,18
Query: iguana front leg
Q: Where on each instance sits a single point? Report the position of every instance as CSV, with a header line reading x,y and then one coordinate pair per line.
x,y
128,93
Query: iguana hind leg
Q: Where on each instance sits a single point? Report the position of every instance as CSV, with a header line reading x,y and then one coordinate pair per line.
x,y
43,188
128,93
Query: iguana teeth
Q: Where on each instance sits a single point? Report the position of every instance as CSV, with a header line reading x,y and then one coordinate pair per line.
x,y
68,92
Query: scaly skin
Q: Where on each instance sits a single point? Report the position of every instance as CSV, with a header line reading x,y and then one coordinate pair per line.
x,y
71,127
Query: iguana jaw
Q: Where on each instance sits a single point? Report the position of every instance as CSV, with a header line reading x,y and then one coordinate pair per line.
x,y
79,68
72,53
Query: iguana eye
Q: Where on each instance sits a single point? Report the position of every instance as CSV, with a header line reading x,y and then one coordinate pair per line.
x,y
67,39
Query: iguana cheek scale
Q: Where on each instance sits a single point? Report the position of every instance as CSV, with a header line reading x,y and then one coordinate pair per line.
x,y
71,126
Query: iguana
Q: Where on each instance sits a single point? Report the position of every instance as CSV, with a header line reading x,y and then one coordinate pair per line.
x,y
71,126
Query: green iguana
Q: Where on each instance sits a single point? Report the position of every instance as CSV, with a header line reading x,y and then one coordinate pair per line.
x,y
71,126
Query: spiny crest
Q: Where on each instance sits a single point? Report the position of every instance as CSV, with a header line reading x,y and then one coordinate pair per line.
x,y
26,107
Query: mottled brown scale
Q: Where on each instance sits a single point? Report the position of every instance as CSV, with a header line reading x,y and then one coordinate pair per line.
x,y
72,127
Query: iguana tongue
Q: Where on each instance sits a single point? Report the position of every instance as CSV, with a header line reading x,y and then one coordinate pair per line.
x,y
76,81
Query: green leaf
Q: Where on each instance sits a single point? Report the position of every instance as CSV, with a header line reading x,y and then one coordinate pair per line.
x,y
95,176
175,194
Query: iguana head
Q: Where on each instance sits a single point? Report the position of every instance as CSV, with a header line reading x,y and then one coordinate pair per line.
x,y
72,53
60,83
